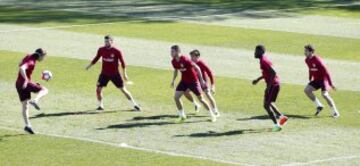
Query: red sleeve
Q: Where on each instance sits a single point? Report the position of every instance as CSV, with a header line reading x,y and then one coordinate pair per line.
x,y
97,57
308,65
324,70
121,59
208,72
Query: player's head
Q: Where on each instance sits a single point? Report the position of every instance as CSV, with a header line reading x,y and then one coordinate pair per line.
x,y
108,41
309,50
259,51
195,55
39,54
175,51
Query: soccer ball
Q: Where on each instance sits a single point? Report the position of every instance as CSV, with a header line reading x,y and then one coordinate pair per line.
x,y
46,75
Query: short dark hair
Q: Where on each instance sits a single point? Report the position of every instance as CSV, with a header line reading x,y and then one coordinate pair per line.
x,y
195,53
39,53
175,47
108,37
310,48
260,49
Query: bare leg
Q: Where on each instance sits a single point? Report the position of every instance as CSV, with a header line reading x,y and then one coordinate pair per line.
x,y
41,94
331,103
309,92
25,112
129,96
179,103
206,105
191,99
99,97
211,99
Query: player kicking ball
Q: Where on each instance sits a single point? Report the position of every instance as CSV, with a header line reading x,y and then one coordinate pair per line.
x,y
205,70
319,78
111,56
191,79
25,86
272,88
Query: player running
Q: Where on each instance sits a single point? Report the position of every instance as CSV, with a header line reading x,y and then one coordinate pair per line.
x,y
25,86
190,77
205,70
319,78
111,56
272,88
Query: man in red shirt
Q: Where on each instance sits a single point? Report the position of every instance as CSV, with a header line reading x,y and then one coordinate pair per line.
x,y
25,86
272,87
190,77
111,56
206,73
319,78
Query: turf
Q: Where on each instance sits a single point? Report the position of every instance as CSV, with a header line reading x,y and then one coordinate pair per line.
x,y
69,111
232,37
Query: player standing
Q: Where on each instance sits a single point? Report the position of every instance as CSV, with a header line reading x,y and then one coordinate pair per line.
x,y
319,78
111,56
190,77
272,87
25,86
206,73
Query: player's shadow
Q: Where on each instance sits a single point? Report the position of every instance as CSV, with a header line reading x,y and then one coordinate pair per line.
x,y
87,112
228,133
161,117
3,137
266,117
145,124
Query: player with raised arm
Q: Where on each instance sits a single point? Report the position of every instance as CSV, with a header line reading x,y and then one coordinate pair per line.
x,y
191,79
272,87
25,86
111,56
206,74
319,78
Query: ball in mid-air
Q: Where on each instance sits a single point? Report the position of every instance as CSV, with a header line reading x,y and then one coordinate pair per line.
x,y
46,75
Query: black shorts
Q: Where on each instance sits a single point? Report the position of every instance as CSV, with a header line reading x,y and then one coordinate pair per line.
x,y
25,94
115,79
318,84
271,93
194,87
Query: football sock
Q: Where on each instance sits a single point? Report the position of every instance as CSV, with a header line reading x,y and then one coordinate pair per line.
x,y
182,113
26,118
41,94
317,102
101,104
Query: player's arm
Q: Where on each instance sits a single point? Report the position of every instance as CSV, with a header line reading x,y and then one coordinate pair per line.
x,y
176,71
123,65
254,82
93,62
326,72
209,73
22,70
198,71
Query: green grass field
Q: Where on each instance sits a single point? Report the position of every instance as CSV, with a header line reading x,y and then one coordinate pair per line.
x,y
73,133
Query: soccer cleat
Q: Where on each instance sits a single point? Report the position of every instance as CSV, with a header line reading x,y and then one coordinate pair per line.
x,y
217,113
197,108
283,120
276,129
137,108
29,130
34,104
336,115
318,110
100,109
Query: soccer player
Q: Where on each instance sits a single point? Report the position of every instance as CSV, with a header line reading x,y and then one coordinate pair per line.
x,y
272,87
111,56
207,73
319,78
25,86
191,78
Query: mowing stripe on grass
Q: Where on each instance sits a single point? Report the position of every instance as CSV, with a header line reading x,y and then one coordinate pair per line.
x,y
236,63
124,145
324,160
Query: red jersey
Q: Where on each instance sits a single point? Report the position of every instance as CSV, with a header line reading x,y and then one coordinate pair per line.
x,y
265,66
205,70
30,62
110,60
185,66
317,69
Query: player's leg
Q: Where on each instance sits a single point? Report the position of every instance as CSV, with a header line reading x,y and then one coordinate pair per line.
x,y
25,113
130,98
41,92
278,115
179,104
309,91
196,89
331,103
268,98
102,82
212,102
191,99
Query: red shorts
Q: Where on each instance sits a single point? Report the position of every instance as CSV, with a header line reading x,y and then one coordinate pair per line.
x,y
271,93
25,94
115,79
318,84
194,87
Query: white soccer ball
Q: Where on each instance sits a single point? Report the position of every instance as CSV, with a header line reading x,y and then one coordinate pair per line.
x,y
46,75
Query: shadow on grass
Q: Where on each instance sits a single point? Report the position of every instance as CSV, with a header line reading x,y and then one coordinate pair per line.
x,y
87,112
159,117
145,124
266,117
228,133
2,137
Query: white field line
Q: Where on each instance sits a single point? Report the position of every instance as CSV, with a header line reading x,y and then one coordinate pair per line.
x,y
155,54
324,160
124,145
